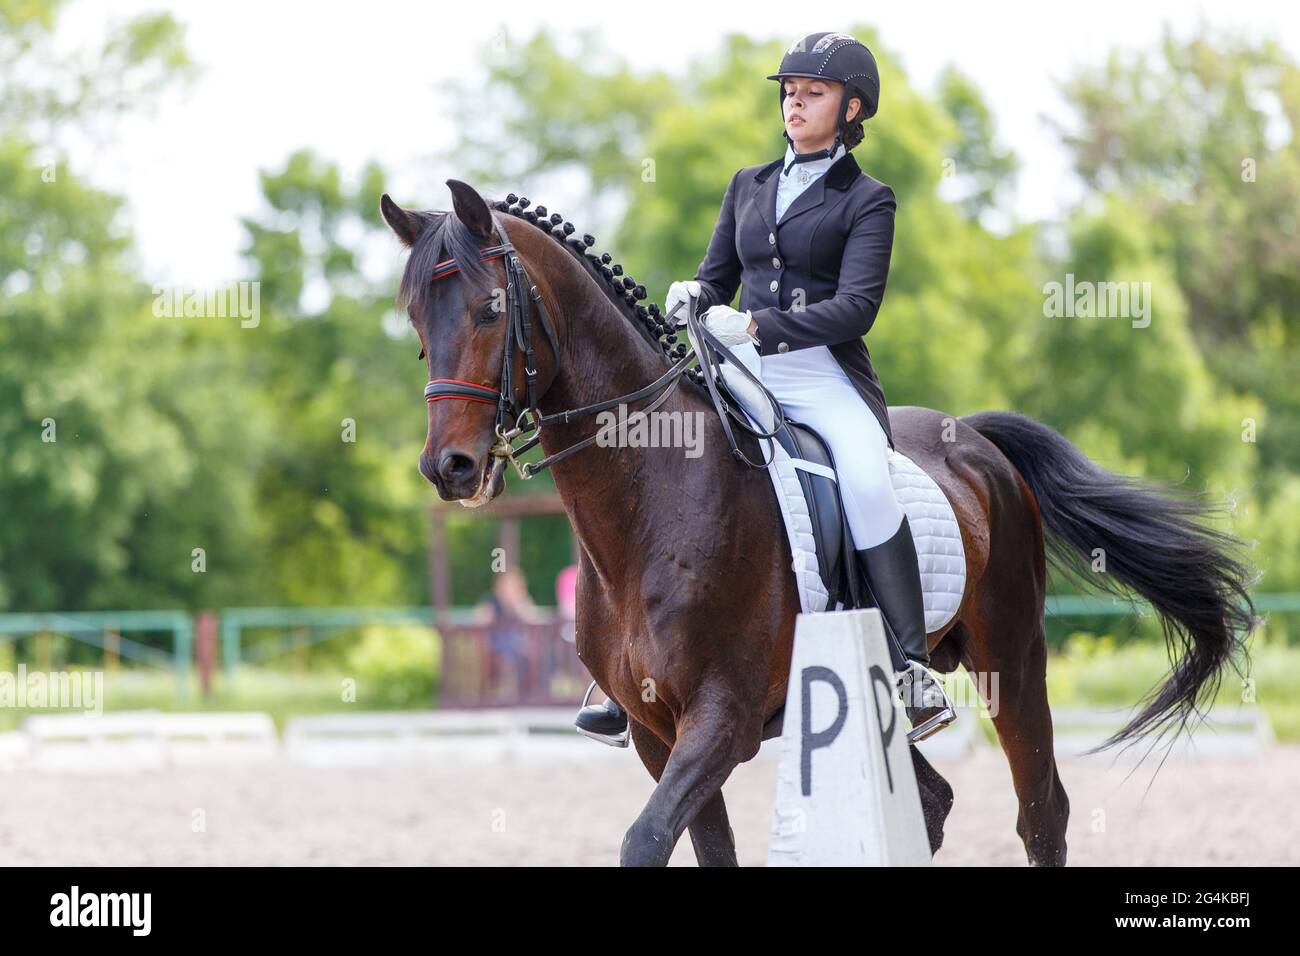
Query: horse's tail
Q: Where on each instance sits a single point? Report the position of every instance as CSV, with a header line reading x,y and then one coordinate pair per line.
x,y
1151,544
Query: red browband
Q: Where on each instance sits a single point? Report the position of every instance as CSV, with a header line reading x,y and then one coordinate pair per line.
x,y
438,393
448,266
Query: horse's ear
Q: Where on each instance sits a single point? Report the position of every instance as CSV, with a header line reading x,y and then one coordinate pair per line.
x,y
471,208
407,225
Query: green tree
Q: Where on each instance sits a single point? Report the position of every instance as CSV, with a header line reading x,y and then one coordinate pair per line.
x,y
340,501
1198,138
121,452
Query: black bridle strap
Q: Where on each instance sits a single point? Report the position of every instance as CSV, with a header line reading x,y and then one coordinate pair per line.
x,y
668,377
709,364
671,378
547,327
709,346
523,328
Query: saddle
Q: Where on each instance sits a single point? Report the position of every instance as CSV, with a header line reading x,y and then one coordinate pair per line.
x,y
806,485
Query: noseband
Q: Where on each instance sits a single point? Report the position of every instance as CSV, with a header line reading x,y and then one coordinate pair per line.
x,y
509,424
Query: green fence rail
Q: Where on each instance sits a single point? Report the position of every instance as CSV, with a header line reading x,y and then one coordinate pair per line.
x,y
235,620
1067,605
91,626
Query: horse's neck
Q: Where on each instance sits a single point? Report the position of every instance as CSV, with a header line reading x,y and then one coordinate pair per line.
x,y
603,357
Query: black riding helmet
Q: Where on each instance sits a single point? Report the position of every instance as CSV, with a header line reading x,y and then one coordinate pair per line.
x,y
832,56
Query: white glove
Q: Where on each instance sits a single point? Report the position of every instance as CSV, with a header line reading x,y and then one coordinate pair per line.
x,y
746,392
731,327
680,292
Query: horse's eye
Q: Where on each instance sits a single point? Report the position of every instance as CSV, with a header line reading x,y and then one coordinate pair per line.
x,y
421,355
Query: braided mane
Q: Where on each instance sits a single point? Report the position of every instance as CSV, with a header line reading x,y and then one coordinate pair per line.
x,y
622,290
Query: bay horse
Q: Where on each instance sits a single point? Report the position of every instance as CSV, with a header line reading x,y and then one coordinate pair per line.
x,y
686,600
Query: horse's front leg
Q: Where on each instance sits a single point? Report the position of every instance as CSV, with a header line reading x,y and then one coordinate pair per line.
x,y
711,833
712,836
710,743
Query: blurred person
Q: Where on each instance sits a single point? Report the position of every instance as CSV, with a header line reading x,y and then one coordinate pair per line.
x,y
508,610
566,601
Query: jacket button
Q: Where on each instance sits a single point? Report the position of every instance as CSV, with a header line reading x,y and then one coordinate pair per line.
x,y
783,347
775,285
776,263
771,238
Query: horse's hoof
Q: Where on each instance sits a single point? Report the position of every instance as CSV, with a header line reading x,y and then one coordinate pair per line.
x,y
646,846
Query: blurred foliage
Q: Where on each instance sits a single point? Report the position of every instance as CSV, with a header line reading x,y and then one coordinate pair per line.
x,y
1198,141
395,667
88,89
175,434
1096,672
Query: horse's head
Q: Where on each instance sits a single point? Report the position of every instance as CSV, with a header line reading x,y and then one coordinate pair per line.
x,y
461,313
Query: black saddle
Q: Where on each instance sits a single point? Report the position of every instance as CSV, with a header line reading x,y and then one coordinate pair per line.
x,y
836,561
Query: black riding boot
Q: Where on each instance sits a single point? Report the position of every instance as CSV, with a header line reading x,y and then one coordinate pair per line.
x,y
894,580
605,722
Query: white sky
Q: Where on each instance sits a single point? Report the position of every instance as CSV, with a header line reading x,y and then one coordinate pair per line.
x,y
363,81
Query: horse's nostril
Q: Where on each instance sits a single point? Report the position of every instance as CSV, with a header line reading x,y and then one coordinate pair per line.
x,y
454,465
427,469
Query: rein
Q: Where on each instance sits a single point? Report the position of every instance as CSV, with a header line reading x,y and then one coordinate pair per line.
x,y
519,336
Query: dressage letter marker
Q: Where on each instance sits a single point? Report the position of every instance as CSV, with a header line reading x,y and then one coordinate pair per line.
x,y
846,792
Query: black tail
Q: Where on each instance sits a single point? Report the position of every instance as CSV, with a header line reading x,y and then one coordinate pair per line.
x,y
1153,545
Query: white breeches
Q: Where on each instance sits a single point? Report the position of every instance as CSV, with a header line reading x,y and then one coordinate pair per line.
x,y
815,391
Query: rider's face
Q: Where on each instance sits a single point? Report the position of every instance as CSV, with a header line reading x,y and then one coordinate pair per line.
x,y
809,110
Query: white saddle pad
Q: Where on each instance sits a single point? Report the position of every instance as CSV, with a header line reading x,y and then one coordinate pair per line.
x,y
939,551
938,539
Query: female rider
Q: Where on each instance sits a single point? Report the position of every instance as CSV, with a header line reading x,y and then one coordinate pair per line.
x,y
810,236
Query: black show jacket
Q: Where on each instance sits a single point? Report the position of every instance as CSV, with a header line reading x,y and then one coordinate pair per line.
x,y
815,278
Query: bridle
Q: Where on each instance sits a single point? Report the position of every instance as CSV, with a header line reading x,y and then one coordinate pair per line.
x,y
518,333
509,424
